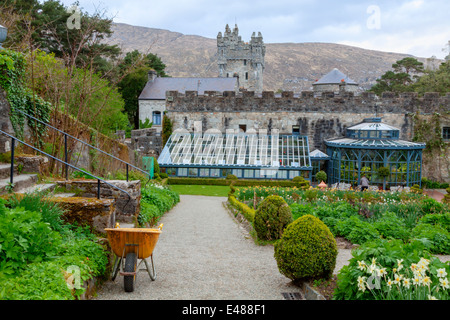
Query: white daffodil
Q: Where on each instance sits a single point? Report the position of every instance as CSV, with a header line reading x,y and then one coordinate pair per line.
x,y
441,273
426,281
406,283
399,264
381,272
397,278
417,280
430,297
361,265
361,280
389,283
444,283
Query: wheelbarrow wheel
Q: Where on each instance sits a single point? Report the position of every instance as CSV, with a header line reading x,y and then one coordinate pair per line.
x,y
130,266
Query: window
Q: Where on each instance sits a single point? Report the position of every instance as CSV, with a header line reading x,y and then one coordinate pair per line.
x,y
193,172
245,62
242,128
204,172
157,117
182,172
296,130
246,76
446,133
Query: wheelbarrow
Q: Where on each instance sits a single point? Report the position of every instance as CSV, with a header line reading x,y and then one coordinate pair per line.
x,y
129,245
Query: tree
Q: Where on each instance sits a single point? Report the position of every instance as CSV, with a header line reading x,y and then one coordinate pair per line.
x,y
435,80
405,73
135,80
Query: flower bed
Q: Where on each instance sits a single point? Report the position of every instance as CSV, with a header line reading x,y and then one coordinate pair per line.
x,y
364,216
398,235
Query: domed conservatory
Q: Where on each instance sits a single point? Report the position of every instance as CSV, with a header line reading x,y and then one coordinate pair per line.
x,y
373,149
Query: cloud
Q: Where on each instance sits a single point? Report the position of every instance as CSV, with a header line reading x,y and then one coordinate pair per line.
x,y
415,27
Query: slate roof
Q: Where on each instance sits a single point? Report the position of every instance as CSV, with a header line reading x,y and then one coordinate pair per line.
x,y
156,89
334,77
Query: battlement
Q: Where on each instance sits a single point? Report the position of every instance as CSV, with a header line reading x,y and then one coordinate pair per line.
x,y
306,101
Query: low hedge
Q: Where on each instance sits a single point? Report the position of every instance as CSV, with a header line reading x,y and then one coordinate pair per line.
x,y
246,211
227,182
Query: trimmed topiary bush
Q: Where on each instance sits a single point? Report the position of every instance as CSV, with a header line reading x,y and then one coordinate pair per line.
x,y
301,182
307,250
271,218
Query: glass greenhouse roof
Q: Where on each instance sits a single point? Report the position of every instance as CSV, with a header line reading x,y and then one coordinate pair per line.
x,y
242,150
372,143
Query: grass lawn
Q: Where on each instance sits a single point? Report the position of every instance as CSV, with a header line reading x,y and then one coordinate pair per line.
x,y
214,191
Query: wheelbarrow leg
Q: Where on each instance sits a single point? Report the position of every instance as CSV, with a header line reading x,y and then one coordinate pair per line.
x,y
116,267
152,272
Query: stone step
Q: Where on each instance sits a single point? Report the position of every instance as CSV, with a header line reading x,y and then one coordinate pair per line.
x,y
43,187
63,195
21,182
5,170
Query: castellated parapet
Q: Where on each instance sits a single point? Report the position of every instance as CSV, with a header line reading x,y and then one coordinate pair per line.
x,y
307,101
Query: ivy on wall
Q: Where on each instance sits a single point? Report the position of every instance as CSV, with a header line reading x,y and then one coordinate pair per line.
x,y
429,130
12,80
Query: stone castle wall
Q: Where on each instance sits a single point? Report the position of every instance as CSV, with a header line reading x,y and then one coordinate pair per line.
x,y
324,117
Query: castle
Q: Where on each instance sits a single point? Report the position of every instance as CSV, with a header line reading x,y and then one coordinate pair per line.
x,y
242,59
321,114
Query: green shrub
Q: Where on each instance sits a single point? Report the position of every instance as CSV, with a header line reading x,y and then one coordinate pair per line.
x,y
356,230
231,177
442,220
51,212
155,201
321,176
25,238
307,250
430,205
438,237
392,227
271,218
301,183
163,175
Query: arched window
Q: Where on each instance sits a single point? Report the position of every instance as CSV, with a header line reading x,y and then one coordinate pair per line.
x,y
156,117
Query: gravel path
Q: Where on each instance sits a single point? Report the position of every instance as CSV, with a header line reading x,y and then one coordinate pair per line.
x,y
203,254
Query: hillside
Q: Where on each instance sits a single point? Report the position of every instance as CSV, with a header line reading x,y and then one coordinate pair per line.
x,y
289,66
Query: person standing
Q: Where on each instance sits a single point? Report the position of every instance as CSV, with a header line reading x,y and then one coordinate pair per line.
x,y
364,183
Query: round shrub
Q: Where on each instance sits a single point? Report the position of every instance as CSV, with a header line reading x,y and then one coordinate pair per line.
x,y
271,218
231,177
307,250
321,176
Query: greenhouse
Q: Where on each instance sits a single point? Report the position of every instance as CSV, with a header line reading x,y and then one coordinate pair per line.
x,y
374,149
246,155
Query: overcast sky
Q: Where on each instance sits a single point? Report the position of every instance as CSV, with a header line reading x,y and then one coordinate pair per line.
x,y
417,27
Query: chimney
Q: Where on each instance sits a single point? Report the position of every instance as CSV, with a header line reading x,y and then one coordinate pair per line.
x,y
152,75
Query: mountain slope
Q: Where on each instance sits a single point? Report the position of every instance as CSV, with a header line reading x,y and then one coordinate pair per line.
x,y
288,66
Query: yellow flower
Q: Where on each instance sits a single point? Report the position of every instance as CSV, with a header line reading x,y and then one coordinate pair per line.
x,y
417,280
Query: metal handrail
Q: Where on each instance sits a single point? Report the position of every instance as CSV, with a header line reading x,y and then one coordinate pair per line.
x,y
67,164
91,146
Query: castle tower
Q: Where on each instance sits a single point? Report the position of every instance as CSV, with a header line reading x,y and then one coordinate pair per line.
x,y
246,60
